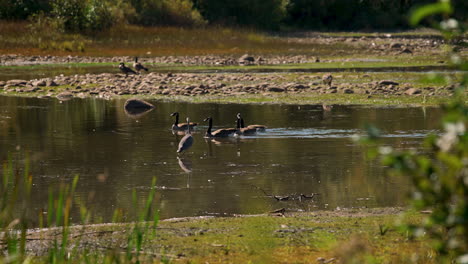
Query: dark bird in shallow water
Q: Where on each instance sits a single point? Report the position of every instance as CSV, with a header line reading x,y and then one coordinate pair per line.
x,y
125,69
187,141
138,67
181,126
223,132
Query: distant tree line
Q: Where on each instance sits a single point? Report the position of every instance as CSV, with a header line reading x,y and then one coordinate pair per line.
x,y
95,15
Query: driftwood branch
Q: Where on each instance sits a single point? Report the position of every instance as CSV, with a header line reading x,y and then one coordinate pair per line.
x,y
291,197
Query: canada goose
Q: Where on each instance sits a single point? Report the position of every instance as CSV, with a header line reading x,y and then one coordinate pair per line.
x,y
223,132
259,128
182,126
187,141
246,60
241,130
327,108
327,79
125,69
138,67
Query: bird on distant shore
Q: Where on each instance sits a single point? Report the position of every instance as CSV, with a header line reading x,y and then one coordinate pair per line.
x,y
222,132
327,79
125,69
138,66
187,141
181,126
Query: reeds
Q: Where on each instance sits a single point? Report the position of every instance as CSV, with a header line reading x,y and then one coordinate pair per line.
x,y
64,246
128,40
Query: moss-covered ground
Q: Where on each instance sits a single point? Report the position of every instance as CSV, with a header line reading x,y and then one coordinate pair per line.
x,y
344,236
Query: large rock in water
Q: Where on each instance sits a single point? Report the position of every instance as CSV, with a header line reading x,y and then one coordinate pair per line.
x,y
137,108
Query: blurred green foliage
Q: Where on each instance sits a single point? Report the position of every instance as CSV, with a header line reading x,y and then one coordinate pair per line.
x,y
440,173
94,15
253,13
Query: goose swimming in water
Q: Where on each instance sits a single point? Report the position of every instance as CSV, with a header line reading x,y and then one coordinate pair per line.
x,y
259,128
223,132
182,126
241,130
187,141
138,67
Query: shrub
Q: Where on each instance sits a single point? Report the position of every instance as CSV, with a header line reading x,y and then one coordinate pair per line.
x,y
82,16
166,12
13,9
358,14
439,174
265,14
98,16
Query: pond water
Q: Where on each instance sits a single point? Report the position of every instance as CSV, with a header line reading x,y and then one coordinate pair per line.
x,y
305,150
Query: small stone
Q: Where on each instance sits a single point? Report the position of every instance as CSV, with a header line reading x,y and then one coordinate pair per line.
x,y
412,91
387,82
16,82
51,83
64,96
39,83
407,51
396,45
276,89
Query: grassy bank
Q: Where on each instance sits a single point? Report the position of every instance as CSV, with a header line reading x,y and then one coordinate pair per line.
x,y
433,89
18,37
348,236
121,40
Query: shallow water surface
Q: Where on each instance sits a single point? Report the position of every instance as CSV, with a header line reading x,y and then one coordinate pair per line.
x,y
304,151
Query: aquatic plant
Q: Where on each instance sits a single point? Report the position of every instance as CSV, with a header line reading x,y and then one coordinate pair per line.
x,y
440,174
15,221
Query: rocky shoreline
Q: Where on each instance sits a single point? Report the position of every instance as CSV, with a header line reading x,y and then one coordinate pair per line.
x,y
109,85
319,47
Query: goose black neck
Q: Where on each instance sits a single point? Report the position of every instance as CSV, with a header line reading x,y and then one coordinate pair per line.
x,y
176,119
239,123
210,124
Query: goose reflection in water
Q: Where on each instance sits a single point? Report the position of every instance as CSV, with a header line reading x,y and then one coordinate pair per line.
x,y
186,165
326,111
137,112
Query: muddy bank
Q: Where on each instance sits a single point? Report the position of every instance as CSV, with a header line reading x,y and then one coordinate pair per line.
x,y
321,48
109,85
197,236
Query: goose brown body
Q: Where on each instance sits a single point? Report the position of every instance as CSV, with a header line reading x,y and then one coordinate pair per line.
x,y
181,126
138,66
247,130
223,132
125,69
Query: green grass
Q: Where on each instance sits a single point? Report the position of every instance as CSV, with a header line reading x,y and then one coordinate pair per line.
x,y
334,63
341,99
354,236
15,212
17,38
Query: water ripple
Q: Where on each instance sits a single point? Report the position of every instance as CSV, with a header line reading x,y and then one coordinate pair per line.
x,y
336,133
